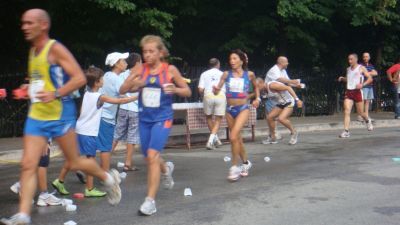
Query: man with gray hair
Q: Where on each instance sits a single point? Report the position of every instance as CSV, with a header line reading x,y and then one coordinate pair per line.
x,y
214,105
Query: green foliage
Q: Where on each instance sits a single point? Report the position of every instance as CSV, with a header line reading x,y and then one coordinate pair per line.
x,y
122,6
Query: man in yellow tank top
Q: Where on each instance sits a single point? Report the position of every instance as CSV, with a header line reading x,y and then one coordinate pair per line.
x,y
54,74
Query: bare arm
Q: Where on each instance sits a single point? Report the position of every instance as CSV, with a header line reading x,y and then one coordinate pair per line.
x,y
373,73
256,91
60,55
282,87
133,82
112,100
221,83
182,89
368,75
294,83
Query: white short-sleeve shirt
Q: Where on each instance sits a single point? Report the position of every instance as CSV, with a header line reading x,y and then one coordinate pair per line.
x,y
210,78
275,73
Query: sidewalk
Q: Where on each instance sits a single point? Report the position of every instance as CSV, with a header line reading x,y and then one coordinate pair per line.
x,y
11,148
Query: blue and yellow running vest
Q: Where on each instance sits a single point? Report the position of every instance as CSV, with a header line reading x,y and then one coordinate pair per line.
x,y
50,77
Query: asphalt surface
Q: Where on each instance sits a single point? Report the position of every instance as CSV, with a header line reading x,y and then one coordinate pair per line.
x,y
322,180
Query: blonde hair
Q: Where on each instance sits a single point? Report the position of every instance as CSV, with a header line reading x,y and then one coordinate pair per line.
x,y
158,40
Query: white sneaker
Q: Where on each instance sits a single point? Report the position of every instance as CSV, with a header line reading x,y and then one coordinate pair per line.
x,y
269,141
17,219
278,136
370,127
293,138
148,207
167,180
15,187
217,142
113,190
47,199
210,146
344,134
245,169
234,173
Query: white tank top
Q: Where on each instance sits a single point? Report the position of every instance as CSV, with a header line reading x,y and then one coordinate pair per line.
x,y
281,97
89,119
354,77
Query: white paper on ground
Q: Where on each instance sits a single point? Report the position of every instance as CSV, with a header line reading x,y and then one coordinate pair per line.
x,y
71,222
187,192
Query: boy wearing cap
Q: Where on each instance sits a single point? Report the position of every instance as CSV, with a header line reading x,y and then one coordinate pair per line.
x,y
110,88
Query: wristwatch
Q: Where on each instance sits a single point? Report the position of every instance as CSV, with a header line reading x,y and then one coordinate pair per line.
x,y
57,94
296,99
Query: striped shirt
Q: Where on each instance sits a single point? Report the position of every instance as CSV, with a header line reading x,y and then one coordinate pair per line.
x,y
369,68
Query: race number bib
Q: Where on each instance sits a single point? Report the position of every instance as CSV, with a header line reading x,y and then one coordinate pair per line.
x,y
151,97
34,87
236,85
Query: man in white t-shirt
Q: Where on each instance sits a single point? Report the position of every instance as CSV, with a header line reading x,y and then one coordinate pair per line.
x,y
278,73
214,105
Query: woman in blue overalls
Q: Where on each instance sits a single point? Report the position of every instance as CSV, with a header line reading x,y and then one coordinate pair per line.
x,y
237,82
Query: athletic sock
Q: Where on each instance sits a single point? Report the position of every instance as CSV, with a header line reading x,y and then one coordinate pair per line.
x,y
211,138
109,181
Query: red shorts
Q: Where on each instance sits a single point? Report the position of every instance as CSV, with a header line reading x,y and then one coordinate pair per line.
x,y
355,95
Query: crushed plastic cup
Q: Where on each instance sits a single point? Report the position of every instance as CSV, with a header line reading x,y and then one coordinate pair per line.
x,y
78,195
122,175
67,201
267,159
120,164
187,192
70,208
227,159
70,222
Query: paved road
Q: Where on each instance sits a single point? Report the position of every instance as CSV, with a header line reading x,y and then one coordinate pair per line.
x,y
322,180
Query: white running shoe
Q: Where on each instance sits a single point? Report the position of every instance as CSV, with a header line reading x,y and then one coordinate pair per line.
x,y
370,127
293,138
15,187
17,219
245,169
48,199
278,136
269,141
148,207
344,134
113,190
210,146
217,142
167,180
234,173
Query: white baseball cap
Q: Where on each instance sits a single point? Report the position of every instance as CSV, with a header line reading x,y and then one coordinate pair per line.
x,y
113,58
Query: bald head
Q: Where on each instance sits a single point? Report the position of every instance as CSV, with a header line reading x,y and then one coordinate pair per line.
x,y
282,62
35,24
40,15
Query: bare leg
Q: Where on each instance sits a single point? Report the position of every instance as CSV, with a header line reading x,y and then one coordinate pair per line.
x,y
33,149
210,122
64,172
359,108
283,118
217,124
236,126
129,153
68,145
154,172
271,121
105,158
42,178
366,107
348,105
